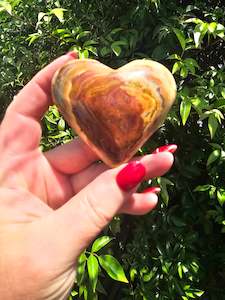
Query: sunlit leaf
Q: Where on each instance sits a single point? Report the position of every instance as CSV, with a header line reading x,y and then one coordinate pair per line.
x,y
213,157
81,268
174,56
112,268
212,125
100,243
180,271
59,13
116,49
83,34
5,6
133,273
183,71
185,109
176,67
92,265
223,92
61,124
33,37
199,293
212,27
181,37
203,188
41,15
84,54
221,196
74,293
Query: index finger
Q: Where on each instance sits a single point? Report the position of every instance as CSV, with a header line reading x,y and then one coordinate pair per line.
x,y
34,99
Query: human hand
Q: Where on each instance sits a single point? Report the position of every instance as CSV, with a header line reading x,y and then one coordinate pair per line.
x,y
53,204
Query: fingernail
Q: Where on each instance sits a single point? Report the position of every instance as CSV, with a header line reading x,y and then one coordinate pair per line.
x,y
152,189
131,175
72,54
167,148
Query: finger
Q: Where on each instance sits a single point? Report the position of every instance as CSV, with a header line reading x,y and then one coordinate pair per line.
x,y
71,157
86,214
34,99
156,165
140,204
80,180
20,129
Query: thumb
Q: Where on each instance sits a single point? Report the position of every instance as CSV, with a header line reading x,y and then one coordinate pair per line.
x,y
72,227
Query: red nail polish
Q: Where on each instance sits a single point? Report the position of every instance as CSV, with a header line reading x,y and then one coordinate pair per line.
x,y
167,148
131,175
72,54
152,189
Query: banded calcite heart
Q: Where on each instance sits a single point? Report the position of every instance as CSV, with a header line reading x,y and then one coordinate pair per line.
x,y
114,111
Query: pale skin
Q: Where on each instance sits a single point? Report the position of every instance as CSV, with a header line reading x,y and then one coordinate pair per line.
x,y
53,204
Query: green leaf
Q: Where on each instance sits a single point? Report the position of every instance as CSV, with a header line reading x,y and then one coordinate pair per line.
x,y
82,289
92,264
81,268
33,37
176,67
92,50
184,72
120,43
133,273
223,92
174,56
89,43
192,62
203,188
61,124
199,293
180,271
116,30
199,33
116,49
193,20
197,37
212,125
40,16
163,182
181,37
221,196
5,6
212,27
100,243
83,34
185,109
59,13
105,51
84,54
213,157
220,30
112,268
74,293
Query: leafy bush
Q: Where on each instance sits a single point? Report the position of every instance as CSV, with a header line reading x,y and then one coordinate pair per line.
x,y
176,252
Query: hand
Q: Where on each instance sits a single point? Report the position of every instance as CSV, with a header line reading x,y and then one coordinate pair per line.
x,y
53,204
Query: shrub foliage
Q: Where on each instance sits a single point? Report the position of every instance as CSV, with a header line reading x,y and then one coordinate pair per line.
x,y
178,251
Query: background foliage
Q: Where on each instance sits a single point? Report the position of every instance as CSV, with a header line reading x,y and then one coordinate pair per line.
x,y
178,251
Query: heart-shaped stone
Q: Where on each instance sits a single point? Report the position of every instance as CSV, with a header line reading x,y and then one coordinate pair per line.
x,y
114,111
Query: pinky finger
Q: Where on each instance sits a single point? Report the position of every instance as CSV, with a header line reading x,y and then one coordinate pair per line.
x,y
140,204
